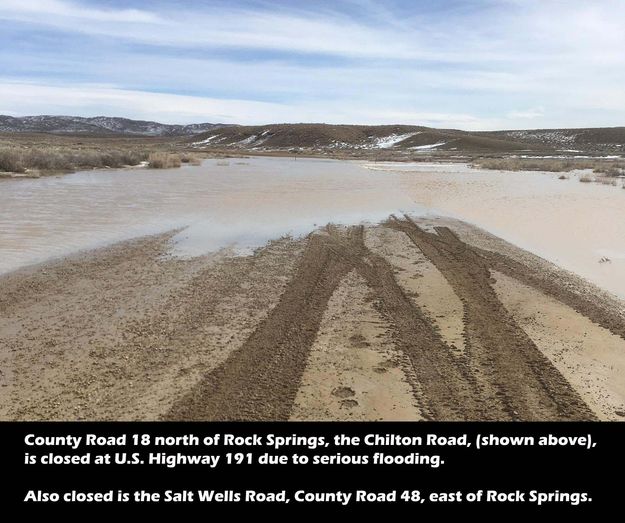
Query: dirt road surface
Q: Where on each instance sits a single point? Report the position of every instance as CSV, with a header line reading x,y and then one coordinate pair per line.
x,y
410,319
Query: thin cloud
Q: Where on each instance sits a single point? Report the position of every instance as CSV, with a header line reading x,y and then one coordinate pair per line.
x,y
528,114
43,9
484,64
95,100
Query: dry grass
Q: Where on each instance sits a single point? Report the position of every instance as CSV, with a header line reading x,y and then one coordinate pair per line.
x,y
586,179
598,165
190,159
606,180
613,170
162,160
55,159
528,164
11,161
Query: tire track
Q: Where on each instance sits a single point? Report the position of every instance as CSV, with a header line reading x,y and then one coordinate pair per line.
x,y
259,381
611,320
445,389
512,372
503,375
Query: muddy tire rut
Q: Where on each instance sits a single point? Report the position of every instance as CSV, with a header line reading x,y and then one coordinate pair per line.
x,y
260,380
403,320
501,376
515,378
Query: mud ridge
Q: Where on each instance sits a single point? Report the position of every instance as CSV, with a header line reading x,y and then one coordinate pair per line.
x,y
259,381
611,320
513,374
445,389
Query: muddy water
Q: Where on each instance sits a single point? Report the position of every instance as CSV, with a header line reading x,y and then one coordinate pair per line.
x,y
243,203
570,223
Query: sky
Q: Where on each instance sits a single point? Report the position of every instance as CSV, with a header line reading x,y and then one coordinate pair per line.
x,y
474,65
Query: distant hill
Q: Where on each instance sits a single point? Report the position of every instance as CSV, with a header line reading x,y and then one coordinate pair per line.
x,y
356,137
603,138
328,138
407,138
99,125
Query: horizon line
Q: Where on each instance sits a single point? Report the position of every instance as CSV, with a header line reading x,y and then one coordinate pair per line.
x,y
305,123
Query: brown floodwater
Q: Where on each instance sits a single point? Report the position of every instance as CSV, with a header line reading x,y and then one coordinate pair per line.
x,y
243,203
578,226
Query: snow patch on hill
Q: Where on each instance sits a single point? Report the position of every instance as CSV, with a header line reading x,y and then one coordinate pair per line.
x,y
562,138
206,140
427,147
387,142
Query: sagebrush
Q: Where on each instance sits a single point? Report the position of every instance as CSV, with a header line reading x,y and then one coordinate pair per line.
x,y
53,159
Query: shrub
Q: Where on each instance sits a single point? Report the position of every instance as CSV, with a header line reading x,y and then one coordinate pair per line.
x,y
160,160
191,159
610,170
51,159
11,161
599,165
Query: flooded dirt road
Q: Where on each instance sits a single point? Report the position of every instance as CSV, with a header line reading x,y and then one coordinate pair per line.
x,y
574,225
246,202
128,333
418,317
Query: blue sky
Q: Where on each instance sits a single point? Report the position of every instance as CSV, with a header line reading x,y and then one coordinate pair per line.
x,y
480,64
